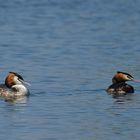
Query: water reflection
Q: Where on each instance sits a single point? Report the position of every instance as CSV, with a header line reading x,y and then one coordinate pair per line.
x,y
21,101
123,99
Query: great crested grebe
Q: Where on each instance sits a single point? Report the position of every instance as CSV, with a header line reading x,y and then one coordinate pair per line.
x,y
14,86
119,85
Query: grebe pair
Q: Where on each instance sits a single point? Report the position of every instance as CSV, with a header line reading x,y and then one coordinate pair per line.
x,y
119,86
14,86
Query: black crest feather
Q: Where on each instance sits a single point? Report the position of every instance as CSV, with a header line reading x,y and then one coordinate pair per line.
x,y
17,75
125,74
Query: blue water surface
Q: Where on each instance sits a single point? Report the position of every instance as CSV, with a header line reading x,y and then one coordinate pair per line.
x,y
68,50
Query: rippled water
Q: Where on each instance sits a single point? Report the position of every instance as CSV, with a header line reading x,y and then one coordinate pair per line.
x,y
69,51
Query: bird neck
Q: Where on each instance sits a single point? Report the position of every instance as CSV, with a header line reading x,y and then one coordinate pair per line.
x,y
20,89
115,80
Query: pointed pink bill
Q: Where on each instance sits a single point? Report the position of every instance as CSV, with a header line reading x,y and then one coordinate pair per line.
x,y
138,81
25,83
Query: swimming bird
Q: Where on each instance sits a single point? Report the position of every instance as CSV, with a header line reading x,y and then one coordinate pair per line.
x,y
14,86
119,85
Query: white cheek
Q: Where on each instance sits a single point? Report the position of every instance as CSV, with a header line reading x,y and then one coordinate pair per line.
x,y
126,78
16,80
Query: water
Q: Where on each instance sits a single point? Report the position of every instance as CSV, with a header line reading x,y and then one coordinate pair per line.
x,y
69,51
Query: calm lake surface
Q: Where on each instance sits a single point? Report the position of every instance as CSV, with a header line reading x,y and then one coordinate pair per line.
x,y
68,50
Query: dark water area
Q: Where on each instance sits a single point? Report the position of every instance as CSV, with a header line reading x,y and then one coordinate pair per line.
x,y
68,51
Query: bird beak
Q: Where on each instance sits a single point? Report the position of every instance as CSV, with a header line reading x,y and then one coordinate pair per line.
x,y
138,81
25,83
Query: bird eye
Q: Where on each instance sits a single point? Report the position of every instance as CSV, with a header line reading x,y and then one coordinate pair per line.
x,y
129,77
19,79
